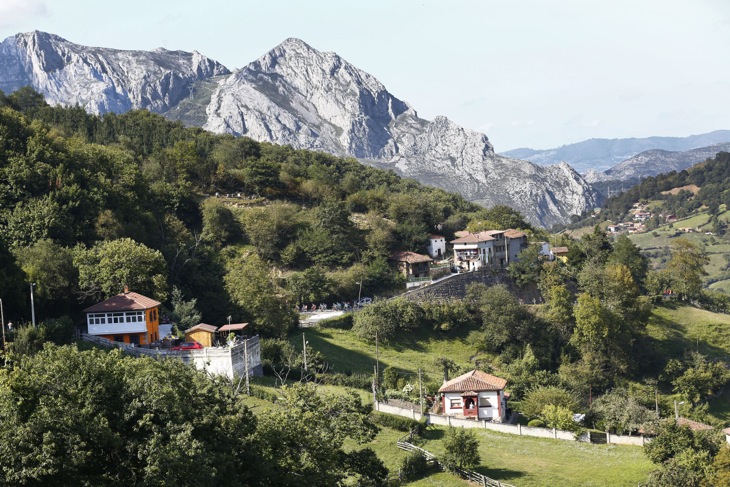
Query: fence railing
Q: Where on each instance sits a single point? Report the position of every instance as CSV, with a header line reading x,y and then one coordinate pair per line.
x,y
476,477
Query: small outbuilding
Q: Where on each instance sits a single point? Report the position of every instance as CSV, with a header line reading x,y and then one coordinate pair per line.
x,y
202,333
476,395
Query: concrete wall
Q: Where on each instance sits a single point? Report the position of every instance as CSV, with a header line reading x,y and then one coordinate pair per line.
x,y
408,413
226,361
512,429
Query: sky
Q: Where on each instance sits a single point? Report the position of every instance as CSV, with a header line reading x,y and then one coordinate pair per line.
x,y
528,73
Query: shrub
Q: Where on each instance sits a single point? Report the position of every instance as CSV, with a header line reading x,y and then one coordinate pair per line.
x,y
264,394
358,381
398,422
536,423
413,466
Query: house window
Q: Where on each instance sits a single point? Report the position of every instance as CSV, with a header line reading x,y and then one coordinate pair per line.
x,y
484,402
455,403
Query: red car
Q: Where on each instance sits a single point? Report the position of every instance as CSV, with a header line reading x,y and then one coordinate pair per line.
x,y
187,346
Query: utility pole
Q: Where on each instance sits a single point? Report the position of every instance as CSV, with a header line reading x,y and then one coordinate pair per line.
x,y
359,293
32,304
2,321
377,360
245,359
304,351
420,390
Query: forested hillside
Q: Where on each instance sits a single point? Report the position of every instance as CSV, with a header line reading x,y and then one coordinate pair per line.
x,y
712,178
90,204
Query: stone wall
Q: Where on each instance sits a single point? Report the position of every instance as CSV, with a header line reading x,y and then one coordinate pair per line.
x,y
455,286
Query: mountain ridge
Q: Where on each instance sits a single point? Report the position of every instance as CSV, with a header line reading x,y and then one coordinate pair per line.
x,y
601,155
296,95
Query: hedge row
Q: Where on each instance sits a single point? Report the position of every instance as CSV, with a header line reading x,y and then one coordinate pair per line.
x,y
398,422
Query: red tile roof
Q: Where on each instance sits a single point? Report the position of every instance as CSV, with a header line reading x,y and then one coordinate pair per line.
x,y
514,234
476,380
233,327
410,257
474,238
128,301
434,237
726,431
559,250
693,425
202,327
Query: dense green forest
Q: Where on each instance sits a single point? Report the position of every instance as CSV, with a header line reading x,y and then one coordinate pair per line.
x,y
90,204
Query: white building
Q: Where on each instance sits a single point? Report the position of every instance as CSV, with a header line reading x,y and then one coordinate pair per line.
x,y
492,248
475,394
436,246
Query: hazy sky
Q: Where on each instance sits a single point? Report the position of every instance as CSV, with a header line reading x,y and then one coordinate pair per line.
x,y
528,73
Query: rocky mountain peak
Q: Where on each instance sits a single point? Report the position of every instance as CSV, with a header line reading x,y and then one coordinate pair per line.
x,y
296,95
99,79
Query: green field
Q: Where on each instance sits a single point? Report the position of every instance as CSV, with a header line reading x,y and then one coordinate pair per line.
x,y
521,461
532,462
681,328
411,351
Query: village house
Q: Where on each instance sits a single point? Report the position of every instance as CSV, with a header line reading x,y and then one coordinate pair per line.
x,y
560,253
436,246
128,317
411,264
476,395
492,248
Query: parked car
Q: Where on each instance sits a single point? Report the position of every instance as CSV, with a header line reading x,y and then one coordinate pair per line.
x,y
188,346
365,301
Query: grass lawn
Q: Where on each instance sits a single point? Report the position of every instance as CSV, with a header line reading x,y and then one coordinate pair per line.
x,y
684,327
528,462
411,351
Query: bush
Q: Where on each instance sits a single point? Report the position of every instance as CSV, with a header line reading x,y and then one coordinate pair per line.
x,y
413,467
358,381
342,322
536,423
264,394
398,422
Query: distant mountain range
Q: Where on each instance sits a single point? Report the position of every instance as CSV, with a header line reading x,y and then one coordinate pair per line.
x,y
601,155
295,95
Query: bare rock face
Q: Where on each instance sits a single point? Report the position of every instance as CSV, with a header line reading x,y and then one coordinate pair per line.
x,y
100,80
299,96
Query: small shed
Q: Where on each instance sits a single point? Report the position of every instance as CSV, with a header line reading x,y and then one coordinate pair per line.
x,y
202,333
235,328
475,395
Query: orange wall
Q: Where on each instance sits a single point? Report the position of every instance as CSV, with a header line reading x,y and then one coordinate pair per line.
x,y
205,338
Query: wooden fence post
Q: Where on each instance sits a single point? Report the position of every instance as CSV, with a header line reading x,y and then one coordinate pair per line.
x,y
519,429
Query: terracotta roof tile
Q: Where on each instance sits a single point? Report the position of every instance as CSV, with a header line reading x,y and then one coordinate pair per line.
x,y
233,327
128,301
693,425
559,250
514,234
476,380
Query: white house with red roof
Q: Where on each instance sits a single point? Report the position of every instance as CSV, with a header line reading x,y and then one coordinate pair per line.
x,y
128,317
491,248
475,394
